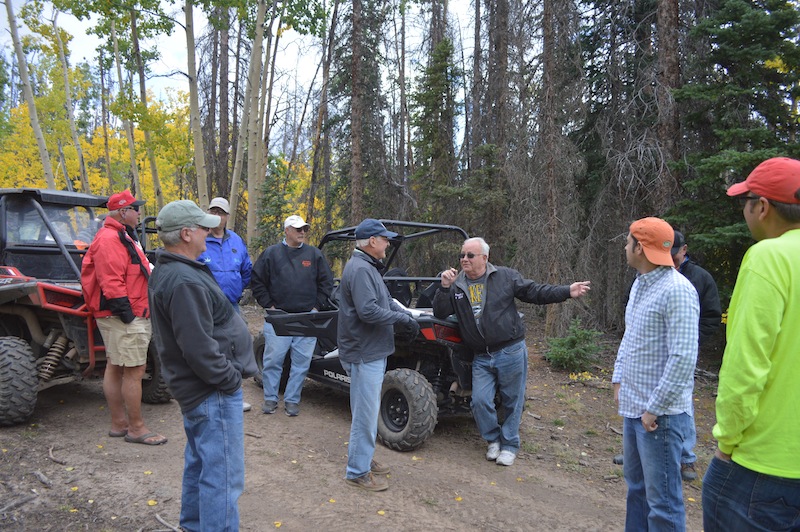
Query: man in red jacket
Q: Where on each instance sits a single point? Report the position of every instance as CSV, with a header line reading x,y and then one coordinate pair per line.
x,y
114,278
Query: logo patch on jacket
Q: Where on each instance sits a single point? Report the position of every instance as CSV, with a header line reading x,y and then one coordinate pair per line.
x,y
459,295
306,263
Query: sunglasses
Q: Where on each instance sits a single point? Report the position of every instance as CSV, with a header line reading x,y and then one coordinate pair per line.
x,y
744,199
469,255
303,229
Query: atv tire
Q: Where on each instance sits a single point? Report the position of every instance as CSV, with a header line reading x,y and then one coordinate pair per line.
x,y
154,389
18,380
408,410
259,344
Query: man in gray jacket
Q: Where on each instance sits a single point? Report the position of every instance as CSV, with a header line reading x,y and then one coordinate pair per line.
x,y
205,351
367,316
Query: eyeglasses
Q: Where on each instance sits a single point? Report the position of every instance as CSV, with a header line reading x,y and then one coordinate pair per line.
x,y
469,255
744,199
132,207
303,229
195,228
216,211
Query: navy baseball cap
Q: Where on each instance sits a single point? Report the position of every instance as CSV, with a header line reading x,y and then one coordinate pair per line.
x,y
372,227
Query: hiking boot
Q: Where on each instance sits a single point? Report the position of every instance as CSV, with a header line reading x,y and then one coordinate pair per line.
x,y
619,459
369,482
246,407
292,409
493,451
378,469
269,407
688,473
506,458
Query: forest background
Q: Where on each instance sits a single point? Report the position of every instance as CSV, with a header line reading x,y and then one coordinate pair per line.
x,y
547,129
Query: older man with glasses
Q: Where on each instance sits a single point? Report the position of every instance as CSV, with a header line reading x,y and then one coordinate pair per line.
x,y
289,277
206,352
482,296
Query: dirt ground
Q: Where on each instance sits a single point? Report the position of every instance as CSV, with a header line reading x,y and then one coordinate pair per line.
x,y
61,471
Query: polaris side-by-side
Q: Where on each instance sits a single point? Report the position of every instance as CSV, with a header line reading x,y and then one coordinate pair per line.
x,y
427,377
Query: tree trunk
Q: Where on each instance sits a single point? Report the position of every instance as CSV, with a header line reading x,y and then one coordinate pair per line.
x,y
223,159
254,127
143,95
356,117
126,124
28,91
194,110
104,111
68,106
668,79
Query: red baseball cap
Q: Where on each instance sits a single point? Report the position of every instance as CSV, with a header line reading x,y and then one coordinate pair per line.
x,y
122,199
777,179
656,237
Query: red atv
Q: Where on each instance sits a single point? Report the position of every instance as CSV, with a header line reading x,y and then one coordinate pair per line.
x,y
47,334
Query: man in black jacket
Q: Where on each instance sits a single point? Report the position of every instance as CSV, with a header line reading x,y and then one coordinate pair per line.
x,y
290,276
710,318
482,296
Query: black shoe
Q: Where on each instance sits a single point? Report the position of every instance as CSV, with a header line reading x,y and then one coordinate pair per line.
x,y
688,473
619,459
292,409
269,407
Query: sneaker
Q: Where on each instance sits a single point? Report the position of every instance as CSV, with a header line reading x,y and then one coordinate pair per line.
x,y
688,473
619,459
369,482
246,407
506,458
493,451
378,469
292,409
269,407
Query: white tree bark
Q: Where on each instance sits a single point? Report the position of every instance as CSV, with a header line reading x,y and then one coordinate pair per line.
x,y
28,91
194,111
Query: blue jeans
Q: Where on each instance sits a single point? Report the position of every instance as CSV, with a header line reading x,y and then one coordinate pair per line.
x,y
275,350
687,452
504,371
652,468
213,472
366,381
737,499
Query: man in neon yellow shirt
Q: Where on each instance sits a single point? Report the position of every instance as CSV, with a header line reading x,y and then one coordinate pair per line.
x,y
753,482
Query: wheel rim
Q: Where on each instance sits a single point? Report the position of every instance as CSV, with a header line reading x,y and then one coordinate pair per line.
x,y
395,410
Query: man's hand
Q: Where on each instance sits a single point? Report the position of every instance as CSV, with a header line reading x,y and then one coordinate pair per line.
x,y
579,289
649,422
722,456
616,393
448,276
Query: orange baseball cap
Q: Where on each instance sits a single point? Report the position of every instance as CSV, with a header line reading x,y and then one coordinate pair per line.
x,y
656,237
777,179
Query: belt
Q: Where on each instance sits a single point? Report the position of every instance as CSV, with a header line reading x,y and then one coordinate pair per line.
x,y
497,347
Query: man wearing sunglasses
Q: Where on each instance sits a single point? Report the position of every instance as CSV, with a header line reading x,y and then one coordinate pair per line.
x,y
753,481
482,296
289,277
114,277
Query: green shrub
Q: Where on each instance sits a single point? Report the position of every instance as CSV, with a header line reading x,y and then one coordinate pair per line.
x,y
576,351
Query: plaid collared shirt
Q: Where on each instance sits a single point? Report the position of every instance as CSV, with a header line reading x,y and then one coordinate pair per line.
x,y
656,358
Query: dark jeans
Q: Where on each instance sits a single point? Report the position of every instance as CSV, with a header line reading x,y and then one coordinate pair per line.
x,y
736,499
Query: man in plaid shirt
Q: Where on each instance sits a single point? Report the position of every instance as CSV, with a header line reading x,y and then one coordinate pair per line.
x,y
654,378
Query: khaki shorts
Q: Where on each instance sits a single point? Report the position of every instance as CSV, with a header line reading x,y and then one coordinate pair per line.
x,y
126,345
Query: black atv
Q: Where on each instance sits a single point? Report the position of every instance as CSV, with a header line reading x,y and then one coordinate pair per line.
x,y
427,377
47,334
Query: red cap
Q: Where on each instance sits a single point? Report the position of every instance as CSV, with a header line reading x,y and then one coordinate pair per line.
x,y
656,236
777,179
122,199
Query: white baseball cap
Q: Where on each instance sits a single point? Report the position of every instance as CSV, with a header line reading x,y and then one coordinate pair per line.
x,y
220,203
295,221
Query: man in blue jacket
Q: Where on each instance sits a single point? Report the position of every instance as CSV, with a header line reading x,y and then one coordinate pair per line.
x,y
226,255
